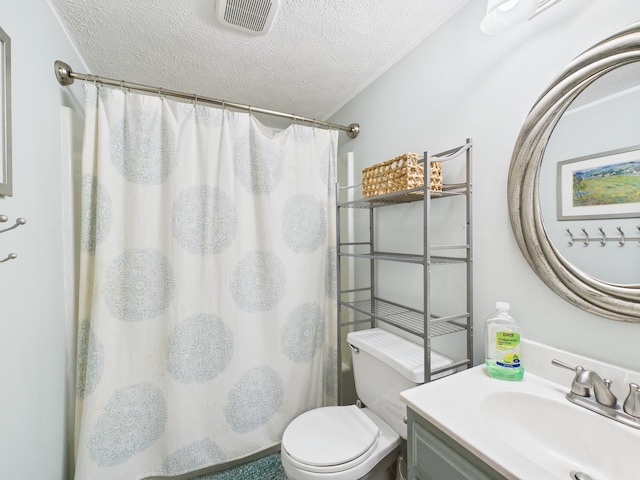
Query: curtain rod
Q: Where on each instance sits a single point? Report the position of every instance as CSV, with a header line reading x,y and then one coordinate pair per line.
x,y
66,76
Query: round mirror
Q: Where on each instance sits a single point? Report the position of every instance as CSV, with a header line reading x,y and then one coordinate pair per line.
x,y
574,181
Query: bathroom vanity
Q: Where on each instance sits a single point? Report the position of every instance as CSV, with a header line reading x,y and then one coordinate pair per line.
x,y
435,455
472,426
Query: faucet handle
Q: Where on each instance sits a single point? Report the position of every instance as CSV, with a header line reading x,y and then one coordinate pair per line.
x,y
560,363
631,405
577,387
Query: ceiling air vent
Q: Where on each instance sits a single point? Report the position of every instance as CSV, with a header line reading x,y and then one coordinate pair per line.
x,y
253,17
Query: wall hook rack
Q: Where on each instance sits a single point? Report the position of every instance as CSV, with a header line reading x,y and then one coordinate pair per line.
x,y
19,221
621,238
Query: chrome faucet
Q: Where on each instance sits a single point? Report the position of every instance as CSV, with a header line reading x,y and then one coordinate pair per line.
x,y
587,380
605,402
601,388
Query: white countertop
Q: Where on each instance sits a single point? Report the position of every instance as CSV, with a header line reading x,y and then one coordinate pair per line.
x,y
460,405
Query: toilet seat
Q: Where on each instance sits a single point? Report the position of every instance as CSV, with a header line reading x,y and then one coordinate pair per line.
x,y
330,439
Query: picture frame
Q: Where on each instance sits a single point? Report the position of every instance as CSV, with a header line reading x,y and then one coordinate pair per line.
x,y
6,176
602,185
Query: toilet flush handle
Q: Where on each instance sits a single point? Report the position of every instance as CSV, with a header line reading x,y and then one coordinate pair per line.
x,y
355,350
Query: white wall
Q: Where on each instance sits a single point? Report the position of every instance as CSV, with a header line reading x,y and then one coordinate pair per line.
x,y
460,83
32,331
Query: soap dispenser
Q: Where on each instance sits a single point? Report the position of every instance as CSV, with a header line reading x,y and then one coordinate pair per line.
x,y
502,345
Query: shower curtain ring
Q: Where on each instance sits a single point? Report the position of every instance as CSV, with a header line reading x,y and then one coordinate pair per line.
x,y
195,100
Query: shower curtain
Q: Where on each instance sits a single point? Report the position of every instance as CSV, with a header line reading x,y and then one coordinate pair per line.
x,y
207,284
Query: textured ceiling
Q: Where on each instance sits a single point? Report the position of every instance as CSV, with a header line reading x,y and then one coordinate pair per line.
x,y
317,55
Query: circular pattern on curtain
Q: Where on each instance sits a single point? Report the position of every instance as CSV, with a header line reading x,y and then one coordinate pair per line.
x,y
304,223
204,221
258,168
330,372
254,399
302,334
199,349
89,360
95,215
331,273
196,455
143,147
139,285
259,282
132,420
203,116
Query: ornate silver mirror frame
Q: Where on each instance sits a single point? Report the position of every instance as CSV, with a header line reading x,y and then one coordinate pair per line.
x,y
609,300
6,185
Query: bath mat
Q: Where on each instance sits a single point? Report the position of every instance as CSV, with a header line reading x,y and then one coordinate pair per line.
x,y
265,468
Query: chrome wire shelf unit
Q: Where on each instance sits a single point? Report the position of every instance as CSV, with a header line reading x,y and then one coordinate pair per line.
x,y
365,301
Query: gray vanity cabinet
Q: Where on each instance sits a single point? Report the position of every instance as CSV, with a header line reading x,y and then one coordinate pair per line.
x,y
433,455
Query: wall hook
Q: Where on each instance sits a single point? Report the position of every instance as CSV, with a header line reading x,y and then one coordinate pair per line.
x,y
586,237
11,256
570,242
621,241
603,240
19,221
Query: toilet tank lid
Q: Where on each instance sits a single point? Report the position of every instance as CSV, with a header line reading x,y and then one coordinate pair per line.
x,y
404,356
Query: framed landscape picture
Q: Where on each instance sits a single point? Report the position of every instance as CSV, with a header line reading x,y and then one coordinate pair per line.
x,y
604,185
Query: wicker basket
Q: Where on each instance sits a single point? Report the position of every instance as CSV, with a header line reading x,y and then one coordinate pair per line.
x,y
399,174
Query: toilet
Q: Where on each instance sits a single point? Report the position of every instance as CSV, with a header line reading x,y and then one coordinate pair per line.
x,y
352,443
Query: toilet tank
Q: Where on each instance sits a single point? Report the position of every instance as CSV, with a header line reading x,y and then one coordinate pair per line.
x,y
385,364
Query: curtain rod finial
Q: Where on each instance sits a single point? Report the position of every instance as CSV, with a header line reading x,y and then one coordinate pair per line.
x,y
63,73
354,130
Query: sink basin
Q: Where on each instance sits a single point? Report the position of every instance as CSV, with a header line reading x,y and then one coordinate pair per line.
x,y
528,430
562,436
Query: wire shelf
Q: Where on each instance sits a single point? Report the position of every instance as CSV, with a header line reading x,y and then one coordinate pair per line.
x,y
407,319
407,257
406,196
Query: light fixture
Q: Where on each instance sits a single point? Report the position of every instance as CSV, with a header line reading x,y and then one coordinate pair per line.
x,y
504,14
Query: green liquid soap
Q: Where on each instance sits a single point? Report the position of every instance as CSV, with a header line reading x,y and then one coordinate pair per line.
x,y
502,345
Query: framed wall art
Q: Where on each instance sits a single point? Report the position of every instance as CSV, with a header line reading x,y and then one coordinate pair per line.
x,y
6,183
603,185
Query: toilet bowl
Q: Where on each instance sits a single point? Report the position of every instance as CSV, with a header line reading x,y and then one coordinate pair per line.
x,y
339,443
352,443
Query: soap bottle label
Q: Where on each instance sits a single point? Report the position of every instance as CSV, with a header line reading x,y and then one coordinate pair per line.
x,y
511,360
507,340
